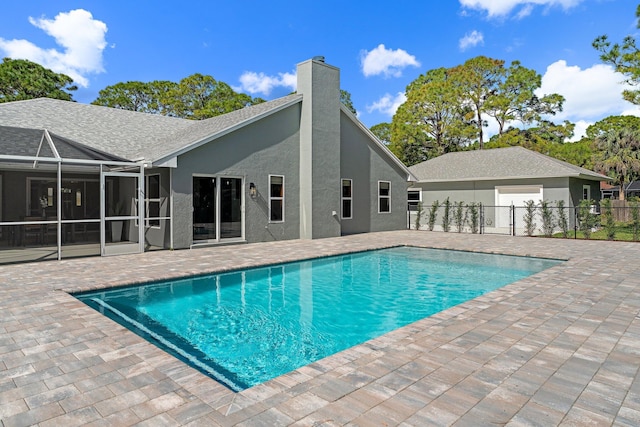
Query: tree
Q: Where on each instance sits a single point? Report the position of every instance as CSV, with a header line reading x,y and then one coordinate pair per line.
x,y
625,58
345,98
137,96
541,138
612,123
478,79
382,131
515,98
200,96
618,155
431,122
195,97
579,153
21,79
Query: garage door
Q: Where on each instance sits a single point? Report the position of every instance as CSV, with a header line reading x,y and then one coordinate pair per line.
x,y
516,196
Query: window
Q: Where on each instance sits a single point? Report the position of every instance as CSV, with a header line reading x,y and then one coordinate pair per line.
x,y
586,192
347,197
152,200
276,198
384,196
413,198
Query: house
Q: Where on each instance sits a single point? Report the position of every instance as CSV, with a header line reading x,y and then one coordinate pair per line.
x,y
501,178
609,191
112,181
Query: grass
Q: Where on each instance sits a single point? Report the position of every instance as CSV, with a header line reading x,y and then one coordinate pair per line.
x,y
624,232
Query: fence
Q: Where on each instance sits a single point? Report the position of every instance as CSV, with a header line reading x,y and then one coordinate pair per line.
x,y
536,220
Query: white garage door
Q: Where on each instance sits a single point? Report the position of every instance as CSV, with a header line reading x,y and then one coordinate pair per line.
x,y
516,196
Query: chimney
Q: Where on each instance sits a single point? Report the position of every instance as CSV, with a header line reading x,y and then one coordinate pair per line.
x,y
319,85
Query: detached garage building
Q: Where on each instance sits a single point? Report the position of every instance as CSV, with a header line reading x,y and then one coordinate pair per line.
x,y
501,178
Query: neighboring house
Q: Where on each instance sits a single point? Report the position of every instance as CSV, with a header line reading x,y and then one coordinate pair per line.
x,y
631,189
502,177
298,167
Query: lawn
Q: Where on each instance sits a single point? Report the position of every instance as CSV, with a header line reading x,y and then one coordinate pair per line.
x,y
623,232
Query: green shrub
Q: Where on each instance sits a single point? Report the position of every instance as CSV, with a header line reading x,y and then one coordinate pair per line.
x,y
446,216
433,213
460,216
586,218
418,215
563,223
546,213
606,218
529,216
635,218
472,211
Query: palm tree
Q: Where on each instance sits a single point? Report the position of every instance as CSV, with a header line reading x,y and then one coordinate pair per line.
x,y
617,154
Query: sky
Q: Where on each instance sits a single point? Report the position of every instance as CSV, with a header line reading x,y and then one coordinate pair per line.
x,y
380,47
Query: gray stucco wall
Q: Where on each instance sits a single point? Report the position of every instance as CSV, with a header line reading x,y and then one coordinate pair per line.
x,y
365,163
485,191
568,190
320,141
268,146
576,187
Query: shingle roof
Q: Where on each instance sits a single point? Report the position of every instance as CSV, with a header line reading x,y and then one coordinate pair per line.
x,y
120,132
498,163
26,142
127,134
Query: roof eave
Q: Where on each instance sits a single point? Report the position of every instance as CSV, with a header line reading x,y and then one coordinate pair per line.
x,y
577,175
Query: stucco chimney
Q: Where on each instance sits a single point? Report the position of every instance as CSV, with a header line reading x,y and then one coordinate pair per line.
x,y
319,84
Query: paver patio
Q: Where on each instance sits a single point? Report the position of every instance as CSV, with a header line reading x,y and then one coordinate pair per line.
x,y
561,347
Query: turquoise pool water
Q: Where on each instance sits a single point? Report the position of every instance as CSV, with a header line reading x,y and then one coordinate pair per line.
x,y
246,327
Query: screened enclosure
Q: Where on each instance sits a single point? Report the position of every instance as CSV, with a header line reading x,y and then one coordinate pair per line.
x,y
61,199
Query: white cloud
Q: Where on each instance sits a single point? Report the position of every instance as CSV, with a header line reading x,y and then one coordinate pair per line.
x,y
591,94
471,39
388,104
260,83
381,60
580,130
81,38
498,8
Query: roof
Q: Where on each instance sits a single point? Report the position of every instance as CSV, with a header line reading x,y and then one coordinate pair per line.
x,y
111,130
128,134
139,136
498,164
26,142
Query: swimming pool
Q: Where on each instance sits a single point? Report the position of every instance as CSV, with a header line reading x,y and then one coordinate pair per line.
x,y
246,327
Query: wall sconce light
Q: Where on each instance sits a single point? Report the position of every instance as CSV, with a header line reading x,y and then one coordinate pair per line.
x,y
253,191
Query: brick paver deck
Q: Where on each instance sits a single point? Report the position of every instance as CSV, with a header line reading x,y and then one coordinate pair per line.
x,y
561,347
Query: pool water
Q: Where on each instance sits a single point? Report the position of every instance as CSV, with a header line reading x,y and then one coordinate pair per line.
x,y
246,327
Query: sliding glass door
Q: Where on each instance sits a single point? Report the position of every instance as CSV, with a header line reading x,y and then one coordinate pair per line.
x,y
217,208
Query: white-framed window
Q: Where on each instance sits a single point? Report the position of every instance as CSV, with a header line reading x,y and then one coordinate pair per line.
x,y
586,192
152,200
347,198
276,198
384,196
413,198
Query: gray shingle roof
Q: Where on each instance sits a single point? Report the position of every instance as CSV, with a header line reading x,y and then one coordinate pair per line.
x,y
127,134
498,163
26,142
120,132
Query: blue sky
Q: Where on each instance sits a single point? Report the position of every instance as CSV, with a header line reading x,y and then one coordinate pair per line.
x,y
380,47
